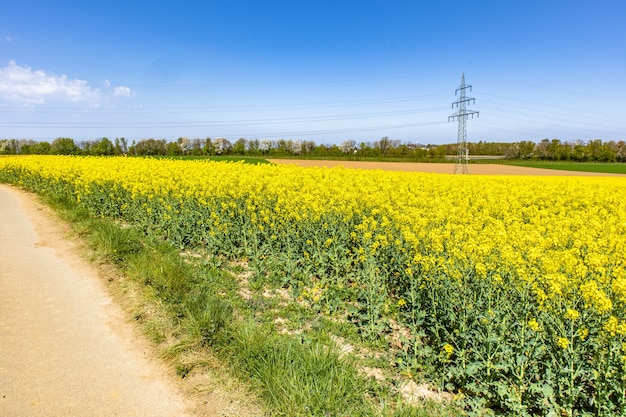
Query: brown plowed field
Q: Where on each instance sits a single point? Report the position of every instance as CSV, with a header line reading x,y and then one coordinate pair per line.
x,y
478,169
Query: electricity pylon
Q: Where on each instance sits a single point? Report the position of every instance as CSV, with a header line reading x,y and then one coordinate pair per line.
x,y
462,153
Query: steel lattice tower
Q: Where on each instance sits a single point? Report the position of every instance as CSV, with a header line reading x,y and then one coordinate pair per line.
x,y
462,154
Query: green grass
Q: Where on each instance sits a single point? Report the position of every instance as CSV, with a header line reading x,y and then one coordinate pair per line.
x,y
607,168
352,157
192,309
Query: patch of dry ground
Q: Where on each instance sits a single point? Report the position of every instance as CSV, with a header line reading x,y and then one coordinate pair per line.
x,y
439,168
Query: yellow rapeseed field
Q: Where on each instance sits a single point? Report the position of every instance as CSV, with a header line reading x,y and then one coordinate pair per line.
x,y
509,291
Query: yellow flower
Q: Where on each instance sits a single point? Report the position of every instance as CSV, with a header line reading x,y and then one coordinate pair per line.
x,y
533,325
448,350
614,327
481,270
595,297
572,314
563,342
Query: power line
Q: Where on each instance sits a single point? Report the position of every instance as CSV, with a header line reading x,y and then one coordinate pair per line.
x,y
547,87
297,133
212,123
223,109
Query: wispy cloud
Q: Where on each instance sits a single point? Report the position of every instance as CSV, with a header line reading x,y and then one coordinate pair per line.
x,y
25,85
8,39
122,91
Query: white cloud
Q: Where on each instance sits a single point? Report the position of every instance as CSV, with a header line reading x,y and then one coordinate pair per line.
x,y
24,85
8,39
122,91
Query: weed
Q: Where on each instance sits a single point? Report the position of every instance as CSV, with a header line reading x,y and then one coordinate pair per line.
x,y
114,242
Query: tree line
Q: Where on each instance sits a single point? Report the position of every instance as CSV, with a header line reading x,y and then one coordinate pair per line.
x,y
547,149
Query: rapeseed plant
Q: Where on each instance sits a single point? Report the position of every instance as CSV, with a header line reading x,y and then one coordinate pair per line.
x,y
519,281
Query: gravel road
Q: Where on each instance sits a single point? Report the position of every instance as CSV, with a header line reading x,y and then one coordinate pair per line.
x,y
65,347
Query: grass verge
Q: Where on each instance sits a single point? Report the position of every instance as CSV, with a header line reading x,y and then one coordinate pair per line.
x,y
607,168
233,338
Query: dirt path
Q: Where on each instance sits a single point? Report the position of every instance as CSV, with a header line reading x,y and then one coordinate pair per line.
x,y
65,348
439,168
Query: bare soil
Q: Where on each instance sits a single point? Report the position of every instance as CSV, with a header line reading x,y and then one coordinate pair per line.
x,y
440,168
66,349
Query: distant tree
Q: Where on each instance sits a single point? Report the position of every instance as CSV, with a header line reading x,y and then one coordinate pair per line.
x,y
102,147
173,149
27,147
209,149
438,152
265,145
383,145
307,147
621,151
578,152
5,146
120,147
512,152
594,150
526,149
239,148
294,147
254,146
320,151
348,146
489,148
117,147
184,144
124,145
63,146
610,150
419,153
333,150
84,147
132,149
151,147
41,148
401,151
365,150
197,147
542,149
558,151
281,147
222,146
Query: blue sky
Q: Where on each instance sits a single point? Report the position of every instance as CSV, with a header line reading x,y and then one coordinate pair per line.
x,y
326,71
